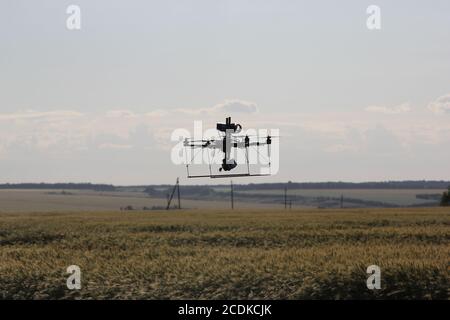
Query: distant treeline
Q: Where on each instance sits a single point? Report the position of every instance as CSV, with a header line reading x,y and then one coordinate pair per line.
x,y
206,189
161,191
348,185
59,186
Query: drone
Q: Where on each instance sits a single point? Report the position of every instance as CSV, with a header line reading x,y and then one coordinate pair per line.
x,y
229,139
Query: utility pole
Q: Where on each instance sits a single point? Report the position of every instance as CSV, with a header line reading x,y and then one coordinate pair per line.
x,y
232,196
170,196
285,198
178,189
168,202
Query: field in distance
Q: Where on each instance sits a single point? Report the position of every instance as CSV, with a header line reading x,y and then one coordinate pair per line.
x,y
400,197
351,197
222,254
41,200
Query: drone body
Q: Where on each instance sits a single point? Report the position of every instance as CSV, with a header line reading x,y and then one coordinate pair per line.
x,y
225,144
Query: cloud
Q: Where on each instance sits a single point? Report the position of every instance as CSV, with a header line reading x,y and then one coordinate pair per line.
x,y
440,105
35,115
403,108
236,105
157,113
335,132
227,106
120,114
316,137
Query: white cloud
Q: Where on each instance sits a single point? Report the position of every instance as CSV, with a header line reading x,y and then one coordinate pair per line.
x,y
235,105
33,115
403,108
65,131
157,113
120,114
228,106
440,105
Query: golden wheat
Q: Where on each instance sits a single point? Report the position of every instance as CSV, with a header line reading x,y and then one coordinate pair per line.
x,y
241,254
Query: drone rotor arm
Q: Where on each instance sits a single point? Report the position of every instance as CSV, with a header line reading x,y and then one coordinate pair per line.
x,y
199,143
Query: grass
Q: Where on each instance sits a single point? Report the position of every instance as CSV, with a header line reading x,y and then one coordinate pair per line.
x,y
218,254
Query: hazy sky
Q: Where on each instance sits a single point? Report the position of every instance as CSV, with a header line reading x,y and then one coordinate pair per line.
x,y
99,104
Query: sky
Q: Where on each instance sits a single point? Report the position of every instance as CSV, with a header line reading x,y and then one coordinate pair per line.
x,y
99,104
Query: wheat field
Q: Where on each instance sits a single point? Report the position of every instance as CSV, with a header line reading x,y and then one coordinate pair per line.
x,y
223,254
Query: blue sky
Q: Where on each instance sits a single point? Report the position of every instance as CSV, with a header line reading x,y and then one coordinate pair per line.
x,y
99,104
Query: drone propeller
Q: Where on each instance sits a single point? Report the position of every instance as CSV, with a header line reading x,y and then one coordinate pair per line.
x,y
256,136
199,141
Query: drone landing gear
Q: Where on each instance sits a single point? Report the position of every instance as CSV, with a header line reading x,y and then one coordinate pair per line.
x,y
228,165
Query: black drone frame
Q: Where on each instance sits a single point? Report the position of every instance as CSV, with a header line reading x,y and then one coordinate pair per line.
x,y
225,144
